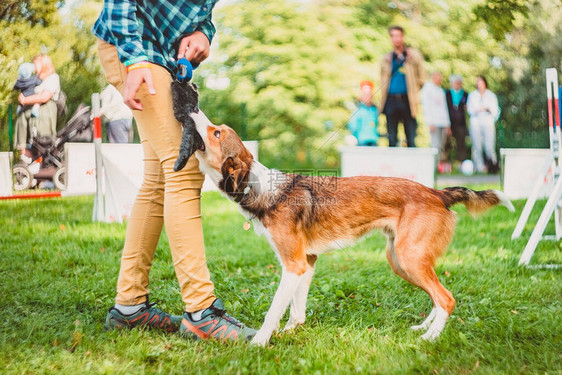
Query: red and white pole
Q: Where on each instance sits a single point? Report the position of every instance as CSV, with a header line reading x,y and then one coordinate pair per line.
x,y
553,111
99,207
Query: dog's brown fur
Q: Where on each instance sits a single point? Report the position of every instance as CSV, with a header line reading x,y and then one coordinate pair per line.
x,y
304,214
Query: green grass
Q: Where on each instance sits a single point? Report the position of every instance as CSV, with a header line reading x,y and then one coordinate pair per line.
x,y
58,272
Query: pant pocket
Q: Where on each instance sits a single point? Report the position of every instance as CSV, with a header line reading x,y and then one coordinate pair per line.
x,y
113,69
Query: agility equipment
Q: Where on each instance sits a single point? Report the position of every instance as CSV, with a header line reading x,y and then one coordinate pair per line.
x,y
552,164
116,187
99,212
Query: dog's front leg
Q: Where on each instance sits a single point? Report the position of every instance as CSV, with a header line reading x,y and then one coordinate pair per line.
x,y
298,304
285,291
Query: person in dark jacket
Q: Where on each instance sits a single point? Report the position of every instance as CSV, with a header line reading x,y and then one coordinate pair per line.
x,y
26,83
456,103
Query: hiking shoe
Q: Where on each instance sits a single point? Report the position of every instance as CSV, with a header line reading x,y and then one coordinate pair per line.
x,y
147,316
216,323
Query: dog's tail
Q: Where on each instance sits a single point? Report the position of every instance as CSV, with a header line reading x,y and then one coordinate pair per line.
x,y
475,201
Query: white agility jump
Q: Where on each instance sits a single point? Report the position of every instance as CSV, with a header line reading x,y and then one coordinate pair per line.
x,y
552,164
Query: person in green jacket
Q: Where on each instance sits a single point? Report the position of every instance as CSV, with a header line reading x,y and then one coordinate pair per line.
x,y
364,122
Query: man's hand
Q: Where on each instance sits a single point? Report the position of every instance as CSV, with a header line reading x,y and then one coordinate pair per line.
x,y
21,99
194,47
135,78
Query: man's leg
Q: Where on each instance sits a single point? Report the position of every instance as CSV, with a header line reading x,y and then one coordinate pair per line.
x,y
459,133
182,193
166,196
434,137
442,143
118,131
476,137
172,198
410,126
109,127
392,116
143,231
490,142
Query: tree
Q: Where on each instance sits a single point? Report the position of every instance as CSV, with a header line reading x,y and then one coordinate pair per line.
x,y
32,12
290,65
501,15
295,65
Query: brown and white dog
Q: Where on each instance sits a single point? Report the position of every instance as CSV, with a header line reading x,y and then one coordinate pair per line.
x,y
304,216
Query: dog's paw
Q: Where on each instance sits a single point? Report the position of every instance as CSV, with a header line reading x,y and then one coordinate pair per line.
x,y
431,335
418,327
260,339
292,324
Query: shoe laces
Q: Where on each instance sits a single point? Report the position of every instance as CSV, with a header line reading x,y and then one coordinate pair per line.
x,y
224,315
149,305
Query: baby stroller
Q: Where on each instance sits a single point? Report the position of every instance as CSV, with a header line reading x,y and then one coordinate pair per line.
x,y
47,153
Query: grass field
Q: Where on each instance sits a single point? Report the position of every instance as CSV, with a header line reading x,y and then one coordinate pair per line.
x,y
58,272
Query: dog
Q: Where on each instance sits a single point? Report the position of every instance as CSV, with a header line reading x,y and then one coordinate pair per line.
x,y
304,216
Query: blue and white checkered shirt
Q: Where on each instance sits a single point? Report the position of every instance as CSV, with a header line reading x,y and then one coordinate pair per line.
x,y
150,30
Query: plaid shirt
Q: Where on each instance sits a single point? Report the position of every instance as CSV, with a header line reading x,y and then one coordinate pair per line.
x,y
150,30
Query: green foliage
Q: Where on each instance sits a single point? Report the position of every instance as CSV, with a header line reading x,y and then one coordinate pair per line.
x,y
501,15
294,66
535,45
58,273
33,12
289,65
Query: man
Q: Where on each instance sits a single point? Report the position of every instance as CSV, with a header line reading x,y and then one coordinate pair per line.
x,y
364,122
119,117
436,115
456,104
139,45
402,76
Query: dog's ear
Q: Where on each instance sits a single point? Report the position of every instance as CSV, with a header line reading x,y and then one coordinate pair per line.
x,y
235,174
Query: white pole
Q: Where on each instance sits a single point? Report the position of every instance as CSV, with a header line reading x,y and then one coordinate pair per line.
x,y
552,76
99,207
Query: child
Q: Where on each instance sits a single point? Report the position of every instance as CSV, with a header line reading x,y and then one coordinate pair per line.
x,y
364,122
26,83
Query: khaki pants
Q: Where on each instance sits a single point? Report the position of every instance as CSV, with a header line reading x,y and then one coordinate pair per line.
x,y
165,198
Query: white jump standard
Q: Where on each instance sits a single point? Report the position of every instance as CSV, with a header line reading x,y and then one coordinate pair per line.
x,y
553,161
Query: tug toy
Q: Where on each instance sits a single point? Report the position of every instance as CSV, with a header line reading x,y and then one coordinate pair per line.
x,y
185,70
185,100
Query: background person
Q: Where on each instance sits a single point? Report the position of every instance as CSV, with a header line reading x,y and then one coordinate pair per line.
x,y
434,104
119,118
46,95
457,99
26,83
364,122
484,111
139,45
402,76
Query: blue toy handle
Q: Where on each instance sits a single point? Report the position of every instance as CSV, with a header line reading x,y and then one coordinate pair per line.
x,y
185,70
